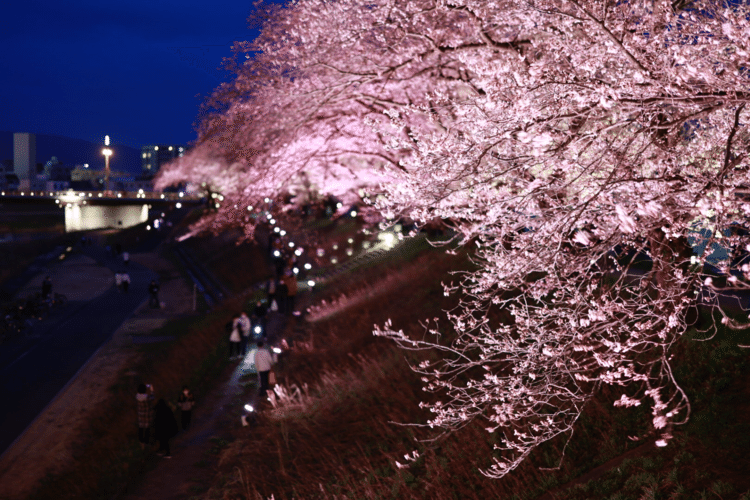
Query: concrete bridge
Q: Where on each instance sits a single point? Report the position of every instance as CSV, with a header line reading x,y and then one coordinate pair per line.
x,y
87,210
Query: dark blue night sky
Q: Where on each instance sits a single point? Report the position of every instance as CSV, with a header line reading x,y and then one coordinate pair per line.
x,y
137,70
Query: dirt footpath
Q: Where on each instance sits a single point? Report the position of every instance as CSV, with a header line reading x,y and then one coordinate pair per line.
x,y
45,447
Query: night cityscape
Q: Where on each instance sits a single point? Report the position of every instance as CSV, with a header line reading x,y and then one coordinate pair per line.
x,y
406,249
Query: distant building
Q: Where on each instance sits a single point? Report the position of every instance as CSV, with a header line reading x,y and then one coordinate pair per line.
x,y
84,173
153,157
56,171
24,159
9,181
56,185
134,185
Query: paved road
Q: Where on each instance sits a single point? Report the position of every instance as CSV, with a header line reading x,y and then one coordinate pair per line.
x,y
34,370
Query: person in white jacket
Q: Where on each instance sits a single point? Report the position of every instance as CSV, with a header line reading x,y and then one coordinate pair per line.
x,y
263,364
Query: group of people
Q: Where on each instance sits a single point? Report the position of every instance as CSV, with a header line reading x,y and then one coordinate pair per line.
x,y
242,328
160,418
122,281
282,292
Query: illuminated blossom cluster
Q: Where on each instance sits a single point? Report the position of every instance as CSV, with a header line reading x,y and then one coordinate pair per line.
x,y
593,153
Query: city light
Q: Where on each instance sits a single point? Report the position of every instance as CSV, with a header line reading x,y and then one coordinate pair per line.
x,y
310,283
308,266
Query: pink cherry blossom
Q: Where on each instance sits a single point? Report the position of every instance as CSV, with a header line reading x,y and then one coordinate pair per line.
x,y
567,140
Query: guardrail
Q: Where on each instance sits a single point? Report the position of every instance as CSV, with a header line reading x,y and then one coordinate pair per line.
x,y
124,195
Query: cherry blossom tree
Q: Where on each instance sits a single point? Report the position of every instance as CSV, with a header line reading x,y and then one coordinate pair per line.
x,y
594,154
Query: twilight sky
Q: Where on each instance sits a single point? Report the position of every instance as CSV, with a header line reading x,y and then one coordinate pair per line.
x,y
137,70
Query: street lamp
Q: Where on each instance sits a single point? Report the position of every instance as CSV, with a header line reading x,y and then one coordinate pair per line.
x,y
107,153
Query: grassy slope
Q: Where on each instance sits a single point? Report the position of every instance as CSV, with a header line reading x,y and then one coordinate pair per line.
x,y
339,442
108,456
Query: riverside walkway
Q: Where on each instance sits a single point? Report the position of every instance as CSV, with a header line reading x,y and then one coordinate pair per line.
x,y
35,368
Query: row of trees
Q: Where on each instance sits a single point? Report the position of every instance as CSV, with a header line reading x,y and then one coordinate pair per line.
x,y
565,139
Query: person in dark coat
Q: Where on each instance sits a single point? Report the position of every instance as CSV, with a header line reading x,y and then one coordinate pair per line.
x,y
186,401
46,288
259,315
153,290
165,427
145,413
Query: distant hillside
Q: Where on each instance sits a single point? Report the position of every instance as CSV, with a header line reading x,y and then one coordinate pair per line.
x,y
73,151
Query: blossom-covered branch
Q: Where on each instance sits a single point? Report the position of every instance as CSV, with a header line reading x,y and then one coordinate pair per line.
x,y
594,153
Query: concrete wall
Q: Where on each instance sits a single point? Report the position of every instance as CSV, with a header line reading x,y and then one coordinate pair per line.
x,y
80,217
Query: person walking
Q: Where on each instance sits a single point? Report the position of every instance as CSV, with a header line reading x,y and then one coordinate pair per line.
x,y
46,288
153,290
282,290
271,293
186,401
235,339
126,258
145,413
118,281
125,282
259,315
165,427
243,324
290,280
263,364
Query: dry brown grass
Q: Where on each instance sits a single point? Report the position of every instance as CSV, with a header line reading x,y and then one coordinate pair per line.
x,y
340,437
107,456
333,434
236,265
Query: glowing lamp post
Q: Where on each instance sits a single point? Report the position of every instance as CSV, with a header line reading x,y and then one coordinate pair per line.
x,y
107,153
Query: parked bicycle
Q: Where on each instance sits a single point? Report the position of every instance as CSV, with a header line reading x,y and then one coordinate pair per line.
x,y
14,323
40,307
